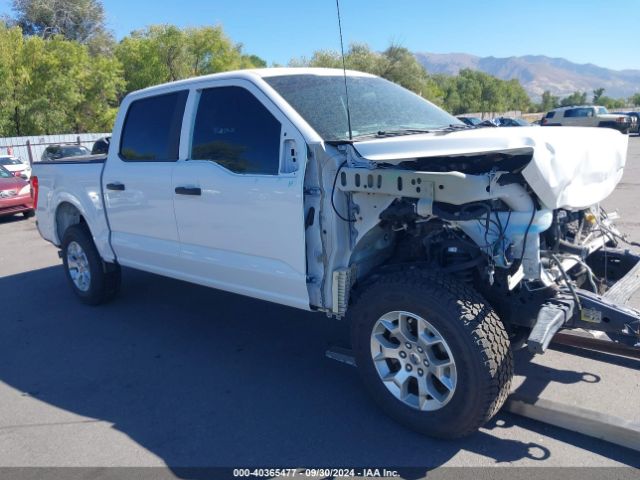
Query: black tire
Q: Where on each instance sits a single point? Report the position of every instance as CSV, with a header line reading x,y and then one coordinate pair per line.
x,y
105,278
474,333
29,213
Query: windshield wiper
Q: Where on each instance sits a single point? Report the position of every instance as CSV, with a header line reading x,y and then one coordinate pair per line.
x,y
454,127
403,131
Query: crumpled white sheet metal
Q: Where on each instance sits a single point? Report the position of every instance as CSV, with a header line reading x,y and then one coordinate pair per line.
x,y
572,167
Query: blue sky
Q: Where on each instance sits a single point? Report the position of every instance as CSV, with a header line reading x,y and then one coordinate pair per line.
x,y
278,30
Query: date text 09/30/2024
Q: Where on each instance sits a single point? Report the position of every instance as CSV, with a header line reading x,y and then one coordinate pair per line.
x,y
315,472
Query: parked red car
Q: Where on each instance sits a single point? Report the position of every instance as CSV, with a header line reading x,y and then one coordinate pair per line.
x,y
15,195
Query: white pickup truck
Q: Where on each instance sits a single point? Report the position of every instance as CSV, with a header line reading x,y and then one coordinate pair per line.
x,y
444,246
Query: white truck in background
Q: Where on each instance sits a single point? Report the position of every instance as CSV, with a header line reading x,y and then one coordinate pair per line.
x,y
444,245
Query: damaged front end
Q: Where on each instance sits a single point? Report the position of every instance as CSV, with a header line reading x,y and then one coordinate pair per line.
x,y
519,220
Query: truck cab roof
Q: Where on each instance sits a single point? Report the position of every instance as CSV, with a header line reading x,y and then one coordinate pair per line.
x,y
251,75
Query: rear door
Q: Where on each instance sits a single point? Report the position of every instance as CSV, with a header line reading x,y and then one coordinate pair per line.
x,y
238,195
137,183
580,117
570,117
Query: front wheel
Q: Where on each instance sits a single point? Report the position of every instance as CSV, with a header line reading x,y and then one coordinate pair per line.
x,y
93,281
432,353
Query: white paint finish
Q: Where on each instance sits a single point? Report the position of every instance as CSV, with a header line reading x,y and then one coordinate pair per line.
x,y
245,233
571,167
79,185
211,239
142,213
252,77
577,167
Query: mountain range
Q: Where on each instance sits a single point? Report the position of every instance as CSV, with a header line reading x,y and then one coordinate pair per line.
x,y
538,73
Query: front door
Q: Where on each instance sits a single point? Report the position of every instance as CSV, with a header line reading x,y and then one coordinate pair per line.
x,y
238,196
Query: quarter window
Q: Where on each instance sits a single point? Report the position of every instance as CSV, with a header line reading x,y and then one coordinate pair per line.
x,y
151,131
235,130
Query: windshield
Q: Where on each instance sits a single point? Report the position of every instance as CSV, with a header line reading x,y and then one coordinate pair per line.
x,y
376,105
602,111
9,161
4,173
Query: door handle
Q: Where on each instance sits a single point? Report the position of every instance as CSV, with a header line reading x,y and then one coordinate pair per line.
x,y
195,191
115,186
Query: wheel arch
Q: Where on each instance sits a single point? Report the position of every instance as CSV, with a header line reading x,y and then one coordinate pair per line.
x,y
66,215
68,209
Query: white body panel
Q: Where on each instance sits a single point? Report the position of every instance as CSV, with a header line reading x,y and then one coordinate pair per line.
x,y
571,167
143,225
245,233
76,184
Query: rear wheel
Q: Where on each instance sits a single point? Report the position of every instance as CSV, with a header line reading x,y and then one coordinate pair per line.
x,y
29,213
432,353
93,281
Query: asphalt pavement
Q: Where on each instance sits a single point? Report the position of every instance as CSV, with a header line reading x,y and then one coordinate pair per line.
x,y
177,375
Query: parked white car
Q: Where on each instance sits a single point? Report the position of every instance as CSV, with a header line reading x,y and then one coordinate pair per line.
x,y
587,116
16,166
442,245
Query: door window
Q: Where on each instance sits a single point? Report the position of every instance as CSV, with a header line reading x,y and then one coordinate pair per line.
x,y
579,112
234,129
151,131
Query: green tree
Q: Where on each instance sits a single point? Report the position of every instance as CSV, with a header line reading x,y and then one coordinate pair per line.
x,y
451,96
612,103
576,98
50,84
14,77
54,86
515,96
165,53
80,20
469,86
472,91
549,102
100,94
597,95
635,100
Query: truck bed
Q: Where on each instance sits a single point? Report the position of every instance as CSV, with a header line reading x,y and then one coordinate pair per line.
x,y
75,181
101,158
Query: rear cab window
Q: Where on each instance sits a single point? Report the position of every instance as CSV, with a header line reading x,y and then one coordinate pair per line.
x,y
151,131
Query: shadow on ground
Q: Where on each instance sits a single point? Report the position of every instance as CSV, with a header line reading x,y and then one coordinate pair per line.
x,y
204,378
